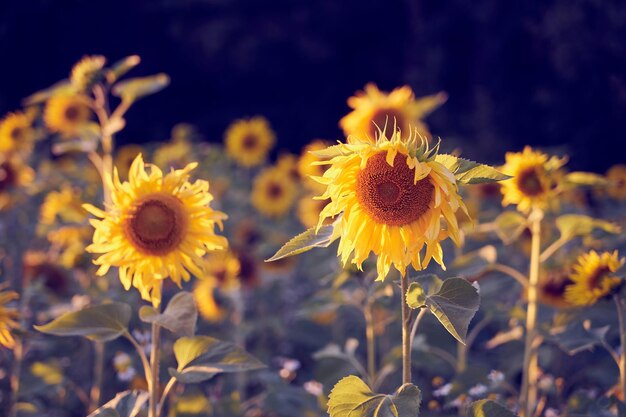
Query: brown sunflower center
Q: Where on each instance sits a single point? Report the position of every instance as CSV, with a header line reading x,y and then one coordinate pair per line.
x,y
72,113
387,193
389,116
529,181
8,176
249,142
157,224
17,133
596,278
274,190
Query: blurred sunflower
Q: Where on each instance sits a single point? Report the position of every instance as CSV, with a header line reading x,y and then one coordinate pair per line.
x,y
222,267
16,132
273,193
69,242
594,278
288,163
209,307
14,173
535,179
8,316
191,405
309,209
49,372
373,108
174,154
395,199
158,226
308,166
551,288
248,141
124,158
64,204
67,114
87,72
617,178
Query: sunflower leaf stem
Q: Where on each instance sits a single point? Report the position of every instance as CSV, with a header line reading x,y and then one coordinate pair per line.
x,y
510,271
168,387
98,370
406,332
621,314
550,250
154,370
142,355
371,340
528,397
18,358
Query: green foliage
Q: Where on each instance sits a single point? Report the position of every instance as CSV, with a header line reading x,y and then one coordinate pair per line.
x,y
307,240
585,179
470,172
351,397
487,408
575,338
101,323
510,225
202,357
454,304
135,88
179,317
125,404
121,67
573,225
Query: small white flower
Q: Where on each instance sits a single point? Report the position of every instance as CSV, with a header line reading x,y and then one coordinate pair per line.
x,y
443,390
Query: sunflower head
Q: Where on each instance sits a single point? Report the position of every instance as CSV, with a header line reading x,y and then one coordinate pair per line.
x,y
87,72
248,141
617,179
594,278
223,268
288,163
158,226
395,200
67,114
211,306
551,288
309,165
373,109
8,318
14,173
273,193
535,180
16,132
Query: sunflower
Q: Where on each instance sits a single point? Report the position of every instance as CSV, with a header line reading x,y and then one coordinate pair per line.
x,y
308,166
273,193
395,199
158,226
67,114
617,178
65,205
69,243
124,158
374,109
16,132
248,141
288,163
14,173
8,316
593,278
551,288
535,179
222,268
209,307
87,72
309,209
174,154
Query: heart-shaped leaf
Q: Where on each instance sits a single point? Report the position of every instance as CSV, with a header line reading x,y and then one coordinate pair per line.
x,y
488,408
351,397
470,172
102,323
135,88
575,338
202,357
125,404
180,315
510,225
572,225
454,304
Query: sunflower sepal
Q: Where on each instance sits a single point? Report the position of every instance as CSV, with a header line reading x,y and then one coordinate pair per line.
x,y
454,304
200,358
180,316
315,237
351,397
101,323
469,172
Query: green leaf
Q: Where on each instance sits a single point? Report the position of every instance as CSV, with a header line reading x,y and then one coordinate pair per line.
x,y
202,357
510,225
121,67
180,315
351,397
125,404
572,225
586,179
470,172
575,338
102,323
454,304
308,240
135,88
488,408
62,87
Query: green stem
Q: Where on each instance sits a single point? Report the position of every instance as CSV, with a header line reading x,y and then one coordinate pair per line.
x,y
528,397
142,355
166,391
154,370
406,332
18,357
622,337
371,340
98,369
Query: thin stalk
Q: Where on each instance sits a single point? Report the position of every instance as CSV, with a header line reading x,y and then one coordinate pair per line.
x,y
144,359
406,332
622,338
168,387
371,340
154,370
18,357
416,324
510,271
528,397
550,250
98,370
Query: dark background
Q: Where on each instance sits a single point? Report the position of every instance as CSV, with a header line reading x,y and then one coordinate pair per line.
x,y
545,73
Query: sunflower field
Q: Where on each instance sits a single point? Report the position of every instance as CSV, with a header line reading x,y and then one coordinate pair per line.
x,y
376,274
